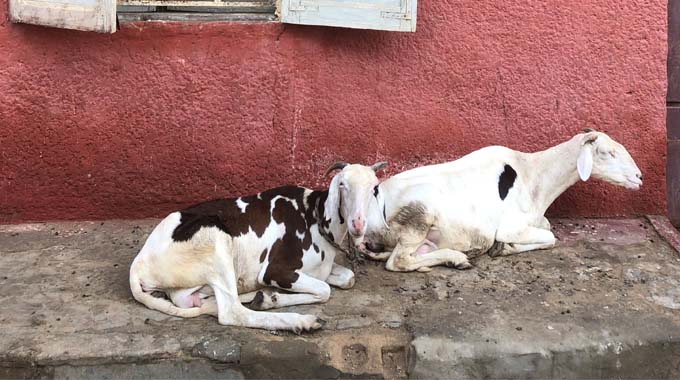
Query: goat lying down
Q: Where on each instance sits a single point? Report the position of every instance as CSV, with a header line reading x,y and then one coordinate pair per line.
x,y
491,200
211,257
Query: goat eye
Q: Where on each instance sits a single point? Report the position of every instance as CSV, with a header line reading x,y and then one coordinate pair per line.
x,y
375,191
602,153
612,154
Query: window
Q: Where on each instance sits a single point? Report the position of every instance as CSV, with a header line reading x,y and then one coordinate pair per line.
x,y
102,15
94,15
399,15
196,10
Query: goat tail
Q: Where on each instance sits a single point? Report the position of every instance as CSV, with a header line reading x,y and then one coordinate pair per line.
x,y
155,303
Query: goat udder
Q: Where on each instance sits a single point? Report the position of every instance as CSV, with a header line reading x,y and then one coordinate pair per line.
x,y
425,248
434,235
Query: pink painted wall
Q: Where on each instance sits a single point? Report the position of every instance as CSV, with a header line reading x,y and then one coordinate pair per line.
x,y
157,116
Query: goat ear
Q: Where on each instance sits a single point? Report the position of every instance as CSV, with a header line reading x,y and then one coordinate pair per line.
x,y
584,163
333,200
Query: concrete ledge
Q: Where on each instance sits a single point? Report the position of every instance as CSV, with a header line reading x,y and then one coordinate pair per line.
x,y
605,303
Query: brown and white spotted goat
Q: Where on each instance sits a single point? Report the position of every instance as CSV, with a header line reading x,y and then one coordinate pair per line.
x,y
211,257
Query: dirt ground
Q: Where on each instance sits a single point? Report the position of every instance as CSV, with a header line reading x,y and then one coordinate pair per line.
x,y
604,303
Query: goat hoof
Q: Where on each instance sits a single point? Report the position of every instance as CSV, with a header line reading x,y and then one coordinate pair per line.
x,y
461,265
256,303
321,322
496,249
309,323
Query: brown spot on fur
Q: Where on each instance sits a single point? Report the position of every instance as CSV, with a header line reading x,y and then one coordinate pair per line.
x,y
227,216
285,255
412,215
283,262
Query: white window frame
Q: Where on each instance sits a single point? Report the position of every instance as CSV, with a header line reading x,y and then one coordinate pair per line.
x,y
100,15
395,15
90,15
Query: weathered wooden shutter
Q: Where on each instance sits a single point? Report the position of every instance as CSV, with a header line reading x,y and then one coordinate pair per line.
x,y
93,15
399,15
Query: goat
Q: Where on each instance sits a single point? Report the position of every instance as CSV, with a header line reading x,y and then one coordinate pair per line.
x,y
238,249
491,200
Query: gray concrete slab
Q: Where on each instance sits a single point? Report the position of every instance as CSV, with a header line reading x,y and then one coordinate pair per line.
x,y
605,303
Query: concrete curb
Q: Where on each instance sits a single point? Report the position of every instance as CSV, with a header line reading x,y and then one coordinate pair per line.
x,y
666,230
604,303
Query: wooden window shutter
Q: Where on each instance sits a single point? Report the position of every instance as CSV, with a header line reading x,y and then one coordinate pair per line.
x,y
397,15
92,15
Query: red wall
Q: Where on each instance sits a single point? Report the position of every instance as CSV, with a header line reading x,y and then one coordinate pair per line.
x,y
160,115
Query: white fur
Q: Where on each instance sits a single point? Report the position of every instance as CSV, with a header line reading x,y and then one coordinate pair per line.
x,y
241,205
465,212
213,272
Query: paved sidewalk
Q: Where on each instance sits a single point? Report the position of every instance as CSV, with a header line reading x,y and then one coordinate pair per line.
x,y
605,303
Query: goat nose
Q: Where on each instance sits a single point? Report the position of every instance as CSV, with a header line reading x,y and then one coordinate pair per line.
x,y
358,224
639,175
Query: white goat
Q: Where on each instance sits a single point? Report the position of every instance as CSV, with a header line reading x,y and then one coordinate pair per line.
x,y
283,238
491,200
